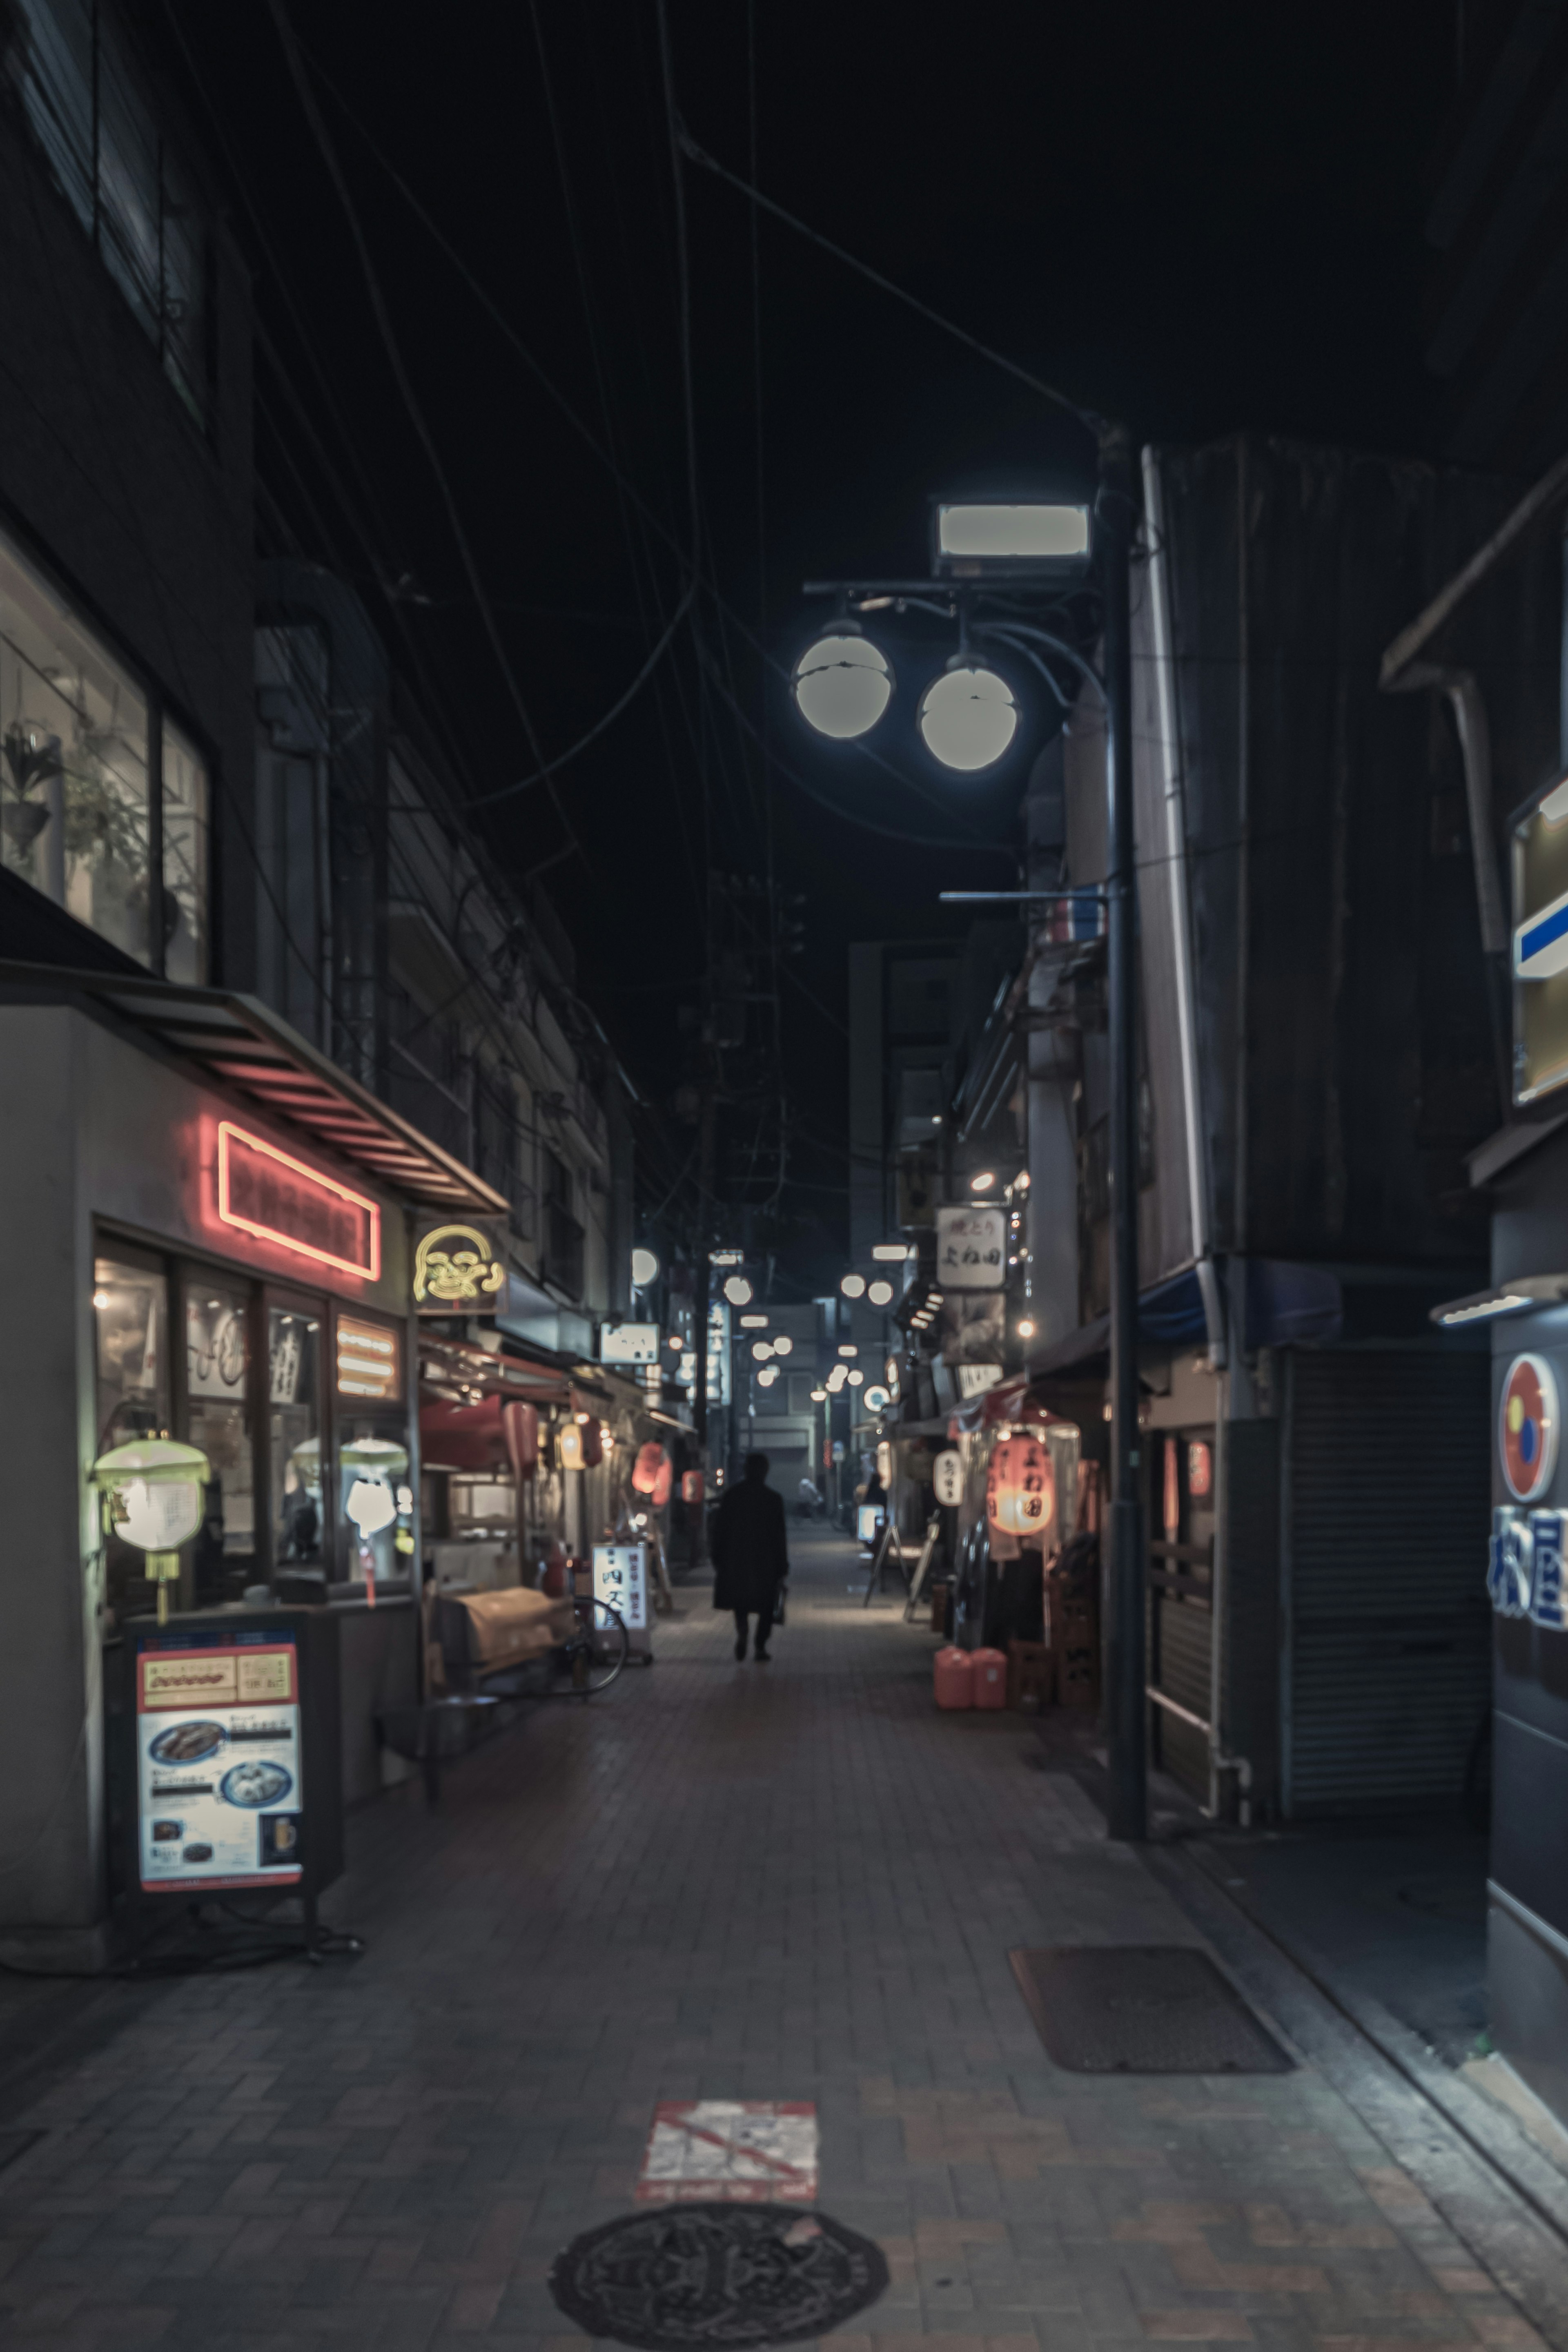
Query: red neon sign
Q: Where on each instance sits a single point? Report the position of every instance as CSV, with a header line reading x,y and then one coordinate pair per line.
x,y
268,1193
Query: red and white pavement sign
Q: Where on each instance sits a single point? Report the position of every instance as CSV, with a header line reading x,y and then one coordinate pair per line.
x,y
752,2151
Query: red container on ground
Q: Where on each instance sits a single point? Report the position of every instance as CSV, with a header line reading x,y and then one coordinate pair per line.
x,y
954,1672
990,1677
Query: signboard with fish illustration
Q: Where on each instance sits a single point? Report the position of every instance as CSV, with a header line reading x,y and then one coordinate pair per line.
x,y
219,1773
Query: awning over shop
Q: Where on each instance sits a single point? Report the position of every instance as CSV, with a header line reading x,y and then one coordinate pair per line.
x,y
237,1041
1284,1305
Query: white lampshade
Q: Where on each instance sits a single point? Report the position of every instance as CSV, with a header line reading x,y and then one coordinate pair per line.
x,y
841,685
968,718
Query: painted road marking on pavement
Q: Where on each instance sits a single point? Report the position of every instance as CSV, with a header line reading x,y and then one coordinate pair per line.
x,y
754,2151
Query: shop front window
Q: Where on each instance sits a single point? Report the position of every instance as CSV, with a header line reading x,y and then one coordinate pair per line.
x,y
294,1393
376,1503
375,1499
218,1413
130,1314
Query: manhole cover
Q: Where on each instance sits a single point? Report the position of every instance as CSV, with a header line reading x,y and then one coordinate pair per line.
x,y
1143,2009
717,2275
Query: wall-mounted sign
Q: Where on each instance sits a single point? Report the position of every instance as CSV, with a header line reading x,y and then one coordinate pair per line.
x,y
369,1360
947,1477
973,1379
629,1343
1524,1570
220,1791
971,1249
1528,1427
270,1194
457,1266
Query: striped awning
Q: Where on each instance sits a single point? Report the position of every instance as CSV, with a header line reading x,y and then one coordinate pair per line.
x,y
239,1041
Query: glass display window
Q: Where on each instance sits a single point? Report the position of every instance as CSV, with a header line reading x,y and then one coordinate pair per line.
x,y
219,1418
130,1322
375,1503
295,1437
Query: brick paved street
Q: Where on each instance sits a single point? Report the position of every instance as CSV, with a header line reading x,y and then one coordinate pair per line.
x,y
794,1882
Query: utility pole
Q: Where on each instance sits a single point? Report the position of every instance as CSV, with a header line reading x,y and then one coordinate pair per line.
x,y
1125,1662
704,1288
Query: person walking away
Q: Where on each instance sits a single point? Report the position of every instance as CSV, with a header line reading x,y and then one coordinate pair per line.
x,y
750,1554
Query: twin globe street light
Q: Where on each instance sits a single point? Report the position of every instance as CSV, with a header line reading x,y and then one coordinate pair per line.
x,y
967,716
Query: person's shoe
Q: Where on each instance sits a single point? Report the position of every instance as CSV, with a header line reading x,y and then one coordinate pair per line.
x,y
762,1657
740,1649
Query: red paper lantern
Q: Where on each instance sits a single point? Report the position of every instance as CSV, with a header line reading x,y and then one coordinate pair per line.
x,y
651,1459
691,1486
520,1428
1020,1489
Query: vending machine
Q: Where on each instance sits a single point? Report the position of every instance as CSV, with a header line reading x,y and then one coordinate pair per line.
x,y
233,1781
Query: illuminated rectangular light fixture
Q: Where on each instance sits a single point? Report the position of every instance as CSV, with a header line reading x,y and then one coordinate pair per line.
x,y
890,1252
1537,1290
726,1257
753,1322
981,540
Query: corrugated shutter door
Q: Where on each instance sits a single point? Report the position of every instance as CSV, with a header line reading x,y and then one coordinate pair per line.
x,y
1390,1657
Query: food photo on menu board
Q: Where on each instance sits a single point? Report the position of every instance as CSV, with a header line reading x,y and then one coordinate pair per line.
x,y
219,1784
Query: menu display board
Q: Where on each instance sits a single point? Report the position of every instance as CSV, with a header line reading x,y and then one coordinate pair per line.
x,y
621,1578
219,1766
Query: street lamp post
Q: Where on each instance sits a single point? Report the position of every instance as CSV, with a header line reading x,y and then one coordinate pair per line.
x,y
1126,1664
842,686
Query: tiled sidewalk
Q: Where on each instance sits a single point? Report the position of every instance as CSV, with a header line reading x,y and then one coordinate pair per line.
x,y
790,1882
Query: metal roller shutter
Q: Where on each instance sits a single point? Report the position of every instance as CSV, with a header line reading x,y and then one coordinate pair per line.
x,y
1387,1509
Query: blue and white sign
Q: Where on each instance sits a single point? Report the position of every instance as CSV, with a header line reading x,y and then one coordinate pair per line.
x,y
1524,1570
1540,942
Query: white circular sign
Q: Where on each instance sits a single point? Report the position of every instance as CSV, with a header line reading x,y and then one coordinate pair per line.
x,y
947,1478
1527,1426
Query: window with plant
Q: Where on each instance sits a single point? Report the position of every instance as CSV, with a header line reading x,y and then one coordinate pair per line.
x,y
77,815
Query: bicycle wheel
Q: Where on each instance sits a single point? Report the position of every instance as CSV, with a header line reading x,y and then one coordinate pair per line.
x,y
594,1655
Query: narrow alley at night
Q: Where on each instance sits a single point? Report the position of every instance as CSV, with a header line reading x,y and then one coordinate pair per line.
x,y
783,1044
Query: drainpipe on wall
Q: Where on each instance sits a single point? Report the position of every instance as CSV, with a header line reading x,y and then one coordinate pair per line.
x,y
1178,874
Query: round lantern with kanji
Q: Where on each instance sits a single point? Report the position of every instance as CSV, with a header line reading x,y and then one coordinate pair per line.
x,y
1021,1488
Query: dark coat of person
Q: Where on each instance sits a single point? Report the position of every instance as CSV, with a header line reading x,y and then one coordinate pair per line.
x,y
750,1546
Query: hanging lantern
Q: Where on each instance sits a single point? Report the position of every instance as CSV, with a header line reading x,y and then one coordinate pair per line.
x,y
153,1498
572,1448
947,1477
520,1428
1020,1489
651,1460
691,1485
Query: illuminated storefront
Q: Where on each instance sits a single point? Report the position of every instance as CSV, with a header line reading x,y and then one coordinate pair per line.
x,y
210,1239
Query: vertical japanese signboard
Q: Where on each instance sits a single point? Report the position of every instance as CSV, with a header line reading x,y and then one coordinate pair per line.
x,y
219,1773
621,1579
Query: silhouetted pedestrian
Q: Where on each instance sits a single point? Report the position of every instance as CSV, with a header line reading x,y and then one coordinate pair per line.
x,y
750,1554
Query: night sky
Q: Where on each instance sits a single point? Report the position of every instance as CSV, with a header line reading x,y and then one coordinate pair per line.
x,y
1200,218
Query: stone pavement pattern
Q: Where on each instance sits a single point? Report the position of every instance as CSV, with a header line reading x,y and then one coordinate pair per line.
x,y
786,1882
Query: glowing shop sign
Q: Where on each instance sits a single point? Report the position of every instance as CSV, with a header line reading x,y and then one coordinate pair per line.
x,y
456,1265
269,1193
369,1360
